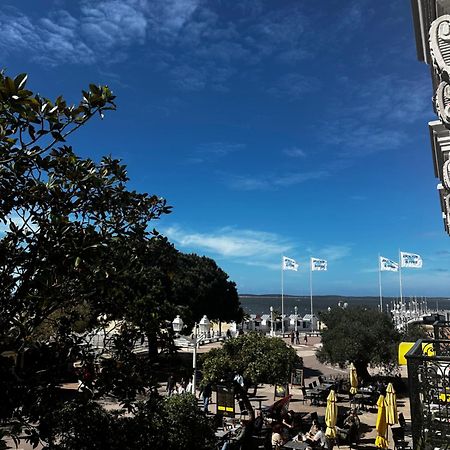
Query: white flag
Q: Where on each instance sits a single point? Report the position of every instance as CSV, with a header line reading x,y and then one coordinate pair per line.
x,y
289,264
410,260
387,264
318,264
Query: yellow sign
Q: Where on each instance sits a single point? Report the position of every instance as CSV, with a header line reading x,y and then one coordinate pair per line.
x,y
405,347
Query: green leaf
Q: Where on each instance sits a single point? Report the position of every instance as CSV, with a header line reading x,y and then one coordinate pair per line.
x,y
20,81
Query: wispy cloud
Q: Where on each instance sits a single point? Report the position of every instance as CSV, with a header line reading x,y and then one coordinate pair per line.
x,y
356,140
334,252
294,152
229,242
293,86
192,41
212,151
273,181
410,97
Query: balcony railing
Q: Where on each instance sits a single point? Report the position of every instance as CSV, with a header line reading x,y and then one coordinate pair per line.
x,y
429,386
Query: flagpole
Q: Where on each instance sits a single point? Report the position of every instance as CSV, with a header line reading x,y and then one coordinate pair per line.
x,y
400,275
379,282
310,292
282,297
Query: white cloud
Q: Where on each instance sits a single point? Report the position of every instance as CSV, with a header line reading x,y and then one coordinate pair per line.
x,y
273,181
334,252
293,86
230,242
294,152
192,41
212,151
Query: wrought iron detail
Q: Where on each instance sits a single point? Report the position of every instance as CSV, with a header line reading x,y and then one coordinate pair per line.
x,y
441,330
429,383
440,46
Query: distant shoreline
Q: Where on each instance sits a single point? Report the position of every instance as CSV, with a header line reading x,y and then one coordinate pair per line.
x,y
260,304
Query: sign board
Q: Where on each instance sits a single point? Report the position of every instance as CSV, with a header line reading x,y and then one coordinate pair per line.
x,y
297,377
405,347
225,400
281,390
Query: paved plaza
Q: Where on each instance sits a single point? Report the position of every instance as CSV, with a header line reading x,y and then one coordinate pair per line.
x,y
312,370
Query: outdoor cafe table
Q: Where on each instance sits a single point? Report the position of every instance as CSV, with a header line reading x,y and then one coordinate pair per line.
x,y
297,445
317,393
224,434
361,399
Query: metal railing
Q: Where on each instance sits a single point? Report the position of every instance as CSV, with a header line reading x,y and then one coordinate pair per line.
x,y
429,386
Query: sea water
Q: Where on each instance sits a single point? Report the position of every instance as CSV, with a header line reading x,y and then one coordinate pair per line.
x,y
260,304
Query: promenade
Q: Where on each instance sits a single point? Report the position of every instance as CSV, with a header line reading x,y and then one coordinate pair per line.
x,y
312,370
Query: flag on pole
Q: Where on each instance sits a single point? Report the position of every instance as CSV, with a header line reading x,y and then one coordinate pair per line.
x,y
387,264
289,264
410,260
318,264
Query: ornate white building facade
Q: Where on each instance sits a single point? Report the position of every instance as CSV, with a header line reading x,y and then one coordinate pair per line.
x,y
432,31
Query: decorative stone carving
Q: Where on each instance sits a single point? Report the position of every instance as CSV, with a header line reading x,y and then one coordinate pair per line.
x,y
446,175
442,103
440,46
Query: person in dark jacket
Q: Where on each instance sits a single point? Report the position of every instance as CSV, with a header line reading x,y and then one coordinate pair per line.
x,y
206,393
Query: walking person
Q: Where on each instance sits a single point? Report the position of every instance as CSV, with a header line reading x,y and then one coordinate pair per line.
x,y
297,337
292,337
206,392
306,339
170,385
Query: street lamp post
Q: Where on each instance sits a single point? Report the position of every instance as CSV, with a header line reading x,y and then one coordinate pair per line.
x,y
296,319
177,324
204,326
194,360
271,320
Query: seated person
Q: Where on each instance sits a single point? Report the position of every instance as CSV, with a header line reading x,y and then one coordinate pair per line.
x,y
258,423
319,439
309,436
352,420
288,423
277,436
241,438
313,430
350,430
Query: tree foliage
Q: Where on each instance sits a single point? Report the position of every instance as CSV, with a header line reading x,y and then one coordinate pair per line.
x,y
161,424
204,288
414,332
77,254
360,336
258,358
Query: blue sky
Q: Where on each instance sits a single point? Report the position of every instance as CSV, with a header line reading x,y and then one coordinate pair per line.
x,y
272,127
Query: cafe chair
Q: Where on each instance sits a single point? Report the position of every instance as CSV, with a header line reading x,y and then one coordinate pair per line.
x,y
398,436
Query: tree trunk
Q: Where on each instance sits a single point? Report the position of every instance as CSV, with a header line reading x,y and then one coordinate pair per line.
x,y
361,370
152,345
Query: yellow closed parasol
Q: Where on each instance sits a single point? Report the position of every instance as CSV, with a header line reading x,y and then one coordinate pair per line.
x,y
391,405
331,415
381,425
353,380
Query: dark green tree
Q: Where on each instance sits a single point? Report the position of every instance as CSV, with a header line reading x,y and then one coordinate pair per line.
x,y
161,423
360,336
413,333
76,253
258,358
201,287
